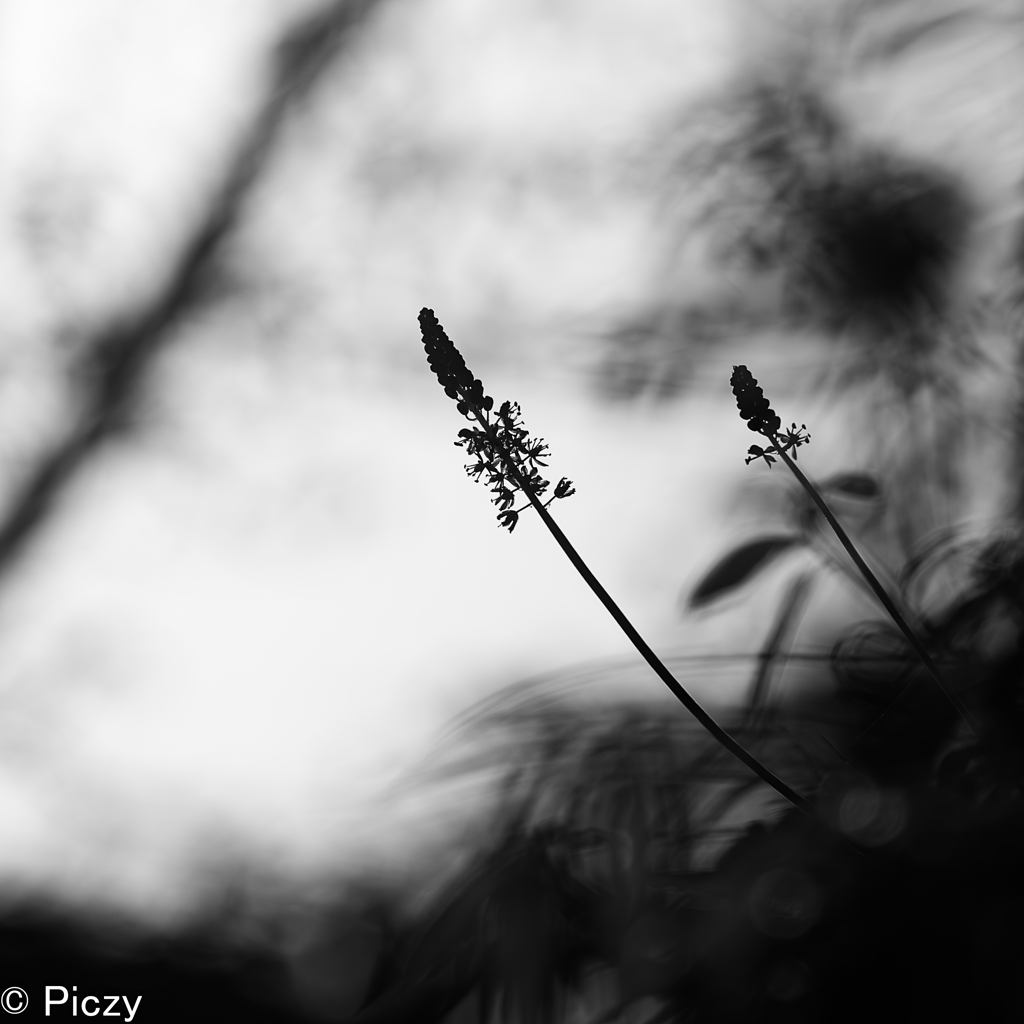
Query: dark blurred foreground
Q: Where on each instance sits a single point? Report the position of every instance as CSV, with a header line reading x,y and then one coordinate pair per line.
x,y
635,872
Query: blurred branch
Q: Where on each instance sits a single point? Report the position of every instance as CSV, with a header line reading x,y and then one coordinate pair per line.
x,y
114,364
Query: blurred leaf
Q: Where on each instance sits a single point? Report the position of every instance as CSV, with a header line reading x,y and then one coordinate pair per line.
x,y
738,566
858,485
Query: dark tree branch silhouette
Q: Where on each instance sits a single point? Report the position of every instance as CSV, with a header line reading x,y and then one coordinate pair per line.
x,y
112,369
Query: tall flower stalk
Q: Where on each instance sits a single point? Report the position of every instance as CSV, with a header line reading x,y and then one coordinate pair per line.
x,y
762,419
507,459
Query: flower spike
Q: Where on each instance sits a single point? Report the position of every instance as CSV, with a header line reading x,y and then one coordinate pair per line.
x,y
506,456
762,419
754,407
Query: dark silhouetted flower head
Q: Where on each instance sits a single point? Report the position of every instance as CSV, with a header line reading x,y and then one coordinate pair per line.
x,y
762,419
754,407
450,368
506,457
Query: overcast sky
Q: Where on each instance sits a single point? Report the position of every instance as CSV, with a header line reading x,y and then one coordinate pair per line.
x,y
245,625
249,622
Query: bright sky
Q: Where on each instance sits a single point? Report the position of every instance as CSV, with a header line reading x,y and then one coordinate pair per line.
x,y
244,628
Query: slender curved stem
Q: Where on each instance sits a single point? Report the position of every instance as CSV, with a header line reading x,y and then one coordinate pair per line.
x,y
876,586
680,692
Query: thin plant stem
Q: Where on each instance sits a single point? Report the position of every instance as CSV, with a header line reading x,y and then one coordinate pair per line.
x,y
680,692
508,459
876,586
